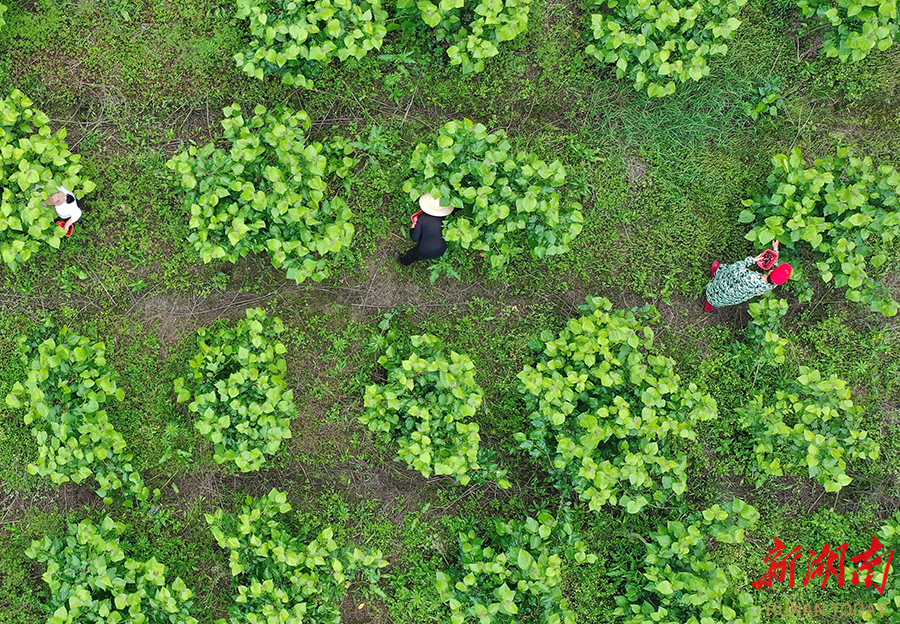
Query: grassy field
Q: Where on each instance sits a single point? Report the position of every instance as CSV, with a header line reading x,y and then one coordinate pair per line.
x,y
661,182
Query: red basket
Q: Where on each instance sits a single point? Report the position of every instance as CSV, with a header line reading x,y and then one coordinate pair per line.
x,y
768,260
62,224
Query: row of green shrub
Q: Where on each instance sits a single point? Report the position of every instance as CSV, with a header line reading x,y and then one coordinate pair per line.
x,y
296,40
507,574
282,577
658,44
272,192
239,394
608,414
292,578
606,411
290,571
505,204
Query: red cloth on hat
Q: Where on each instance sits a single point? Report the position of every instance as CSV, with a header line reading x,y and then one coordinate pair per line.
x,y
781,274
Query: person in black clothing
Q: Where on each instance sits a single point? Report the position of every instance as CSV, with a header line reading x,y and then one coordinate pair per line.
x,y
427,231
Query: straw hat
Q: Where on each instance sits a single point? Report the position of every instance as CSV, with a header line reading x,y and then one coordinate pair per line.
x,y
57,199
781,274
431,206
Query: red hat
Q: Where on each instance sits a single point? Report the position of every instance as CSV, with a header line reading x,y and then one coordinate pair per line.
x,y
781,274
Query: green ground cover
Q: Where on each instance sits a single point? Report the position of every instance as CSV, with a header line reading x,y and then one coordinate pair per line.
x,y
660,181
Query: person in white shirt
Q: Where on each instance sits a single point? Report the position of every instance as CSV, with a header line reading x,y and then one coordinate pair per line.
x,y
66,207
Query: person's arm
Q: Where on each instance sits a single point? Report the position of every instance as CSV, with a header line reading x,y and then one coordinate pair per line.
x,y
415,233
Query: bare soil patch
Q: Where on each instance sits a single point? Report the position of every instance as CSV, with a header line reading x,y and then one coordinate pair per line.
x,y
14,504
179,314
636,168
355,609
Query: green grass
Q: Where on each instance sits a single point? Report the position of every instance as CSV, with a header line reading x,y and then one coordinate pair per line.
x,y
661,182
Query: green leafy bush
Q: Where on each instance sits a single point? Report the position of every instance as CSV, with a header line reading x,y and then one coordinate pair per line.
x,y
428,396
504,203
295,39
606,412
811,425
765,322
515,574
680,582
2,11
93,581
283,577
843,208
239,391
69,382
857,26
767,100
33,162
473,30
660,44
267,193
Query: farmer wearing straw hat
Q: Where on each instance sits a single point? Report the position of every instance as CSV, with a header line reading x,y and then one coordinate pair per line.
x,y
426,231
735,283
66,207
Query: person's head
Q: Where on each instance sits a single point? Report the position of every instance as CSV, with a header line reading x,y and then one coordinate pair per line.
x,y
431,206
781,274
57,199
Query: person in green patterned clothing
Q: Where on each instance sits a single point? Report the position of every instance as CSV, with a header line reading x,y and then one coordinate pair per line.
x,y
735,283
